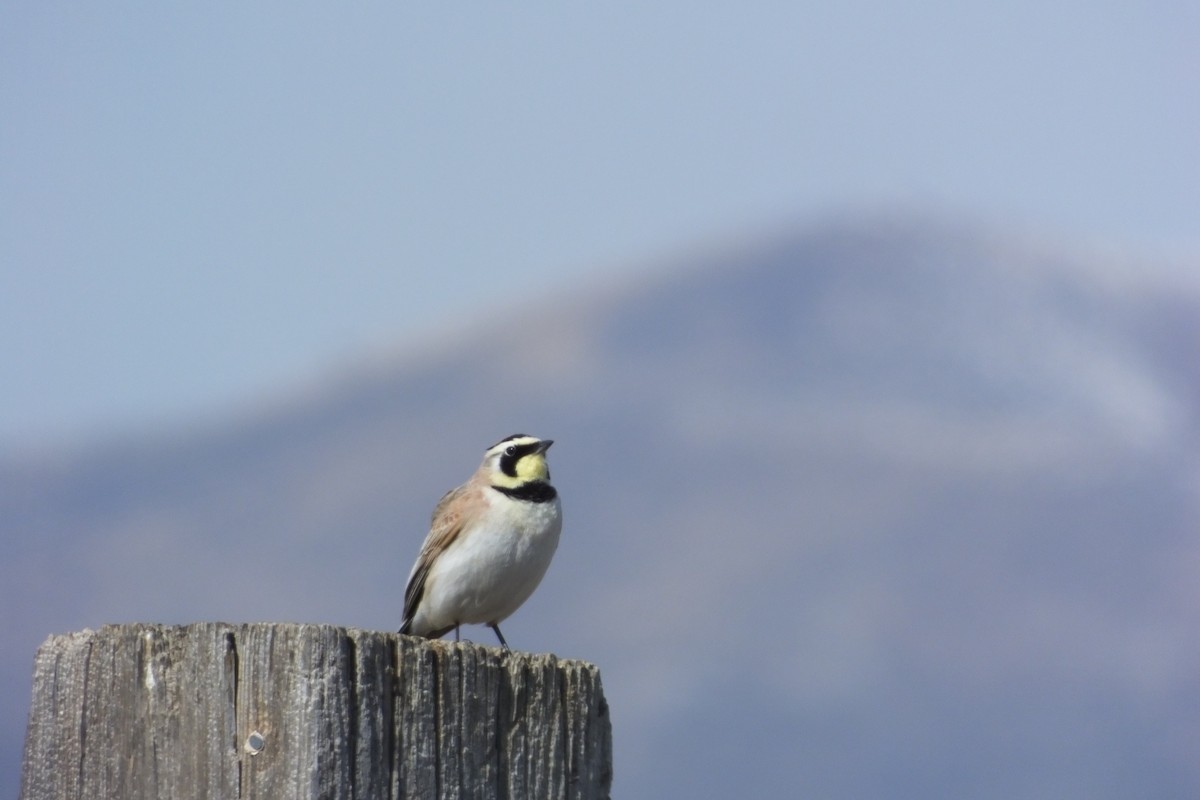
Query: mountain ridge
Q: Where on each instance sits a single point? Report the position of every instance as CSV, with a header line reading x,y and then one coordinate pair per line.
x,y
863,482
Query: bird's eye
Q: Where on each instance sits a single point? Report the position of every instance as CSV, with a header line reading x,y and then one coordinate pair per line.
x,y
511,450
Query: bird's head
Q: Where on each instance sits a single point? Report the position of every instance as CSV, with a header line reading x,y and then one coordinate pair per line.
x,y
517,460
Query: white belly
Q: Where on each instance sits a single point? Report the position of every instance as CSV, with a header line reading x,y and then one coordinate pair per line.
x,y
490,570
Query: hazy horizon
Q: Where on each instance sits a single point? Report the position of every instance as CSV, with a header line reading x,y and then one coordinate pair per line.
x,y
205,205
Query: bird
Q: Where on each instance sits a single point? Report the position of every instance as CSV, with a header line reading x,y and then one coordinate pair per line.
x,y
489,544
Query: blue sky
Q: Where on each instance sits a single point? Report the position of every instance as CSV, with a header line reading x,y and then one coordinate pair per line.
x,y
208,205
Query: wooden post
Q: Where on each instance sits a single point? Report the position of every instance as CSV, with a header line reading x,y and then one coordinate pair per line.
x,y
308,711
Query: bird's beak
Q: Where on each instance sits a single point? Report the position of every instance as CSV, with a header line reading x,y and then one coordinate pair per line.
x,y
544,445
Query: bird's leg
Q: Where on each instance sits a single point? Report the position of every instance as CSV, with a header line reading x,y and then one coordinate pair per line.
x,y
456,639
499,635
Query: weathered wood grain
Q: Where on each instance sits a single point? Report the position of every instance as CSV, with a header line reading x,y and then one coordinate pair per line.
x,y
308,711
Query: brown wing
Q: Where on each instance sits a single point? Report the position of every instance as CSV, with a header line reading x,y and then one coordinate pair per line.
x,y
444,529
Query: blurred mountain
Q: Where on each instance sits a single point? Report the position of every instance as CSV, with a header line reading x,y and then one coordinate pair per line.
x,y
884,508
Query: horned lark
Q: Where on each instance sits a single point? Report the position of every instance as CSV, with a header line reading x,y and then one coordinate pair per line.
x,y
489,544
